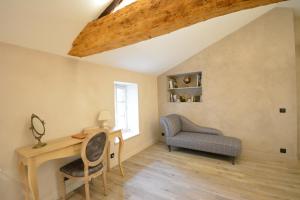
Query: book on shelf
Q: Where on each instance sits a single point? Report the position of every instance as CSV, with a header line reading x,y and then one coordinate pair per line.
x,y
198,82
173,97
197,98
171,85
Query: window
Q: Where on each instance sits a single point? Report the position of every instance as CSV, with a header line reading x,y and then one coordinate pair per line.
x,y
127,108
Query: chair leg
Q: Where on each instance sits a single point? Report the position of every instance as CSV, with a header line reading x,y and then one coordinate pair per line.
x,y
62,186
92,181
104,182
169,147
87,189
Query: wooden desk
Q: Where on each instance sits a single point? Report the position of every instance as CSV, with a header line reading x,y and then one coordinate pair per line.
x,y
30,159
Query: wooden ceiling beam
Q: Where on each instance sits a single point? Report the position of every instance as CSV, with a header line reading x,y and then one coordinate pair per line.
x,y
145,19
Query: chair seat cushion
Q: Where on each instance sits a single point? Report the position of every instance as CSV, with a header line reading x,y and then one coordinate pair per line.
x,y
207,142
76,168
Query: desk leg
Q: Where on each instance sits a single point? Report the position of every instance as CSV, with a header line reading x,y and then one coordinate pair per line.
x,y
24,178
121,142
32,170
108,156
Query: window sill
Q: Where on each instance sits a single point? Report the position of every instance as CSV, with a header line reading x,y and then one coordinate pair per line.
x,y
127,135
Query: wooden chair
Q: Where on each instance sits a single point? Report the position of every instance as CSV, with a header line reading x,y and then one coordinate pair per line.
x,y
90,165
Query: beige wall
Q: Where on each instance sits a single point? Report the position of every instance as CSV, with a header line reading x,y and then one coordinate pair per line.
x,y
247,77
297,30
297,38
298,92
67,94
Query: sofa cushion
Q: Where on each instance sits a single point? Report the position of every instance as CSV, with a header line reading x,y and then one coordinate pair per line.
x,y
189,126
207,142
174,124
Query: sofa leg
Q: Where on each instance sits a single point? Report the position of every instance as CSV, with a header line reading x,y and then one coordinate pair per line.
x,y
169,147
233,160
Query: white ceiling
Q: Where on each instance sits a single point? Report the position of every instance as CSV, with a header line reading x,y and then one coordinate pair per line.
x,y
51,26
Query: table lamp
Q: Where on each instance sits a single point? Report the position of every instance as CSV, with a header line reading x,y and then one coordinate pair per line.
x,y
103,118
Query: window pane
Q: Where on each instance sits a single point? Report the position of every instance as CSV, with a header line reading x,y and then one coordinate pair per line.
x,y
121,107
121,94
121,115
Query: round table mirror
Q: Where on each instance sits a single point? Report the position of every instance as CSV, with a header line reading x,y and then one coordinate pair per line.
x,y
38,130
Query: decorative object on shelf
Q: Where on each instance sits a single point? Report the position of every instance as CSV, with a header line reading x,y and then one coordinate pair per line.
x,y
187,80
38,130
103,118
182,99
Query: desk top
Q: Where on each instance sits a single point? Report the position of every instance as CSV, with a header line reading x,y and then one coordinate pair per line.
x,y
52,145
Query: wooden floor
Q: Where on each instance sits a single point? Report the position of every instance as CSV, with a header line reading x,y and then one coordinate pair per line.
x,y
185,175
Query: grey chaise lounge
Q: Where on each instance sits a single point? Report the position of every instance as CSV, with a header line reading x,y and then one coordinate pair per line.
x,y
181,132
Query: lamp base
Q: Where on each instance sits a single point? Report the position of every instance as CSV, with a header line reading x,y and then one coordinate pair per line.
x,y
105,125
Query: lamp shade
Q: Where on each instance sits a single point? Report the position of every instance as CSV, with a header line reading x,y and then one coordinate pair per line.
x,y
104,115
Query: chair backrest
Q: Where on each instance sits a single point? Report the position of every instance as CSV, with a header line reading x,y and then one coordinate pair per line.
x,y
94,147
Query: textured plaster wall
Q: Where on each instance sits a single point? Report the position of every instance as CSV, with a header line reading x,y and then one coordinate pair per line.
x,y
297,30
297,38
298,92
247,77
67,94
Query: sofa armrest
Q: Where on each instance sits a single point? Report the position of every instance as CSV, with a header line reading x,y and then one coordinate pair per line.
x,y
164,126
189,126
171,125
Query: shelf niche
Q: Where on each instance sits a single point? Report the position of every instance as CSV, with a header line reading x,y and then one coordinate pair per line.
x,y
185,88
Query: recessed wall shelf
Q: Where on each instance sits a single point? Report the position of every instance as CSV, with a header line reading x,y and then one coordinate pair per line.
x,y
185,88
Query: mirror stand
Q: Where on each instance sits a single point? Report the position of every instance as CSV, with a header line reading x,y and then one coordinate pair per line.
x,y
39,144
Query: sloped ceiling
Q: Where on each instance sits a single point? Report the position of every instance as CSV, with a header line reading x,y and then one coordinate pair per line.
x,y
51,26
